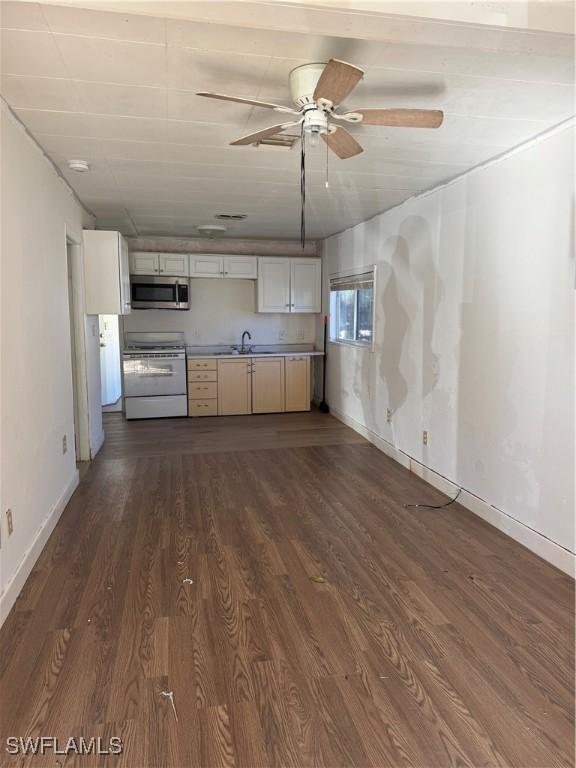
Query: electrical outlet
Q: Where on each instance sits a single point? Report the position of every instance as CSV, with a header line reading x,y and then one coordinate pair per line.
x,y
9,522
425,437
300,334
388,415
282,334
64,444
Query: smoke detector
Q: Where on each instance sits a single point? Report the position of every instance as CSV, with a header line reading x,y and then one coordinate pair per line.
x,y
211,230
80,166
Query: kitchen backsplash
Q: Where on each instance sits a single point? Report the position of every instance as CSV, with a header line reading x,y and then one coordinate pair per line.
x,y
219,311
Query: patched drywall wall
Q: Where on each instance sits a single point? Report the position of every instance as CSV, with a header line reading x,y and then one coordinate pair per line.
x,y
37,478
474,337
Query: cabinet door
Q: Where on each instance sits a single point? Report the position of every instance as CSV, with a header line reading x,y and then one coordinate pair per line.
x,y
206,266
297,377
174,264
125,300
102,276
142,263
245,267
273,285
234,387
267,385
305,285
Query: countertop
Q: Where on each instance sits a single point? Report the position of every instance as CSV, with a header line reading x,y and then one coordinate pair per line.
x,y
226,353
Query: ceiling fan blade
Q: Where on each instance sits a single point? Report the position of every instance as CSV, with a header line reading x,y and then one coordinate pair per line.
x,y
342,143
400,118
253,102
337,80
252,138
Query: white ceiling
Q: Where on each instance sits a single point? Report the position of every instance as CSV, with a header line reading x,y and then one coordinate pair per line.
x,y
118,90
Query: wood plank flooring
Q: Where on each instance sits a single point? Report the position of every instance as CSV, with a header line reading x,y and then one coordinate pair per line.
x,y
324,624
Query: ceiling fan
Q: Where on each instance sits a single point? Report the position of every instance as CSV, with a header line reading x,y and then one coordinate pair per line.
x,y
317,90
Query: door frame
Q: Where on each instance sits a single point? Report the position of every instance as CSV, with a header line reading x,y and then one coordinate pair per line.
x,y
78,371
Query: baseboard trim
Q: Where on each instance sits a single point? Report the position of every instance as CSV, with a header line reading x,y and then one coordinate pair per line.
x,y
545,548
16,583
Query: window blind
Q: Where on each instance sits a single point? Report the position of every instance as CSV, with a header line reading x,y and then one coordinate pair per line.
x,y
353,282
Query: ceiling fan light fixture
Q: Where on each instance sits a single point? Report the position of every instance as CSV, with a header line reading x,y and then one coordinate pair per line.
x,y
303,81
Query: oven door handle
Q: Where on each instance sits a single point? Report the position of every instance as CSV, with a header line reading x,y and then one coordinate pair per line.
x,y
154,375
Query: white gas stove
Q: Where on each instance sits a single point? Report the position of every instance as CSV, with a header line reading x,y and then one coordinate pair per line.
x,y
154,367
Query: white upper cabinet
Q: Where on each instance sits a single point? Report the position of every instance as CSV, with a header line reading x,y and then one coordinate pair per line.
x,y
142,263
173,264
216,265
244,267
125,292
168,264
206,265
289,285
305,285
106,273
273,284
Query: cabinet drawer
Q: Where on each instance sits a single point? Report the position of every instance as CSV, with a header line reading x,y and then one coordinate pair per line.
x,y
202,407
202,376
201,365
202,391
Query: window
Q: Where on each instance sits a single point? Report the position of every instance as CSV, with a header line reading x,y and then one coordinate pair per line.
x,y
352,308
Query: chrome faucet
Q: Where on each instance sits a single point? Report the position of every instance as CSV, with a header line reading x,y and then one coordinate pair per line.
x,y
243,349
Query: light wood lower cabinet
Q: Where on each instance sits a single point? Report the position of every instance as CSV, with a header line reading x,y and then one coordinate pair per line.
x,y
234,387
248,385
202,387
202,407
202,390
267,385
297,388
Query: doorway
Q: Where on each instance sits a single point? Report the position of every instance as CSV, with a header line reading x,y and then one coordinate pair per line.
x,y
77,348
73,344
110,366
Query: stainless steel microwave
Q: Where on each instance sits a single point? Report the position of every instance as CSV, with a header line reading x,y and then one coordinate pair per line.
x,y
150,292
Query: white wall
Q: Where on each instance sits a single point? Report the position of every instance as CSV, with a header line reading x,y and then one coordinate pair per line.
x,y
474,340
38,210
219,311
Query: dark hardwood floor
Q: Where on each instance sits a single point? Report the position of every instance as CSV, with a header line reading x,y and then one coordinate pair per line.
x,y
324,623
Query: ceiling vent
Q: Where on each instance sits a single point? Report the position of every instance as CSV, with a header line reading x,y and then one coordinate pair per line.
x,y
278,142
231,216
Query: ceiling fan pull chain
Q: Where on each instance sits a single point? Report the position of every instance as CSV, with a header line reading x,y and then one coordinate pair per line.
x,y
327,159
303,187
